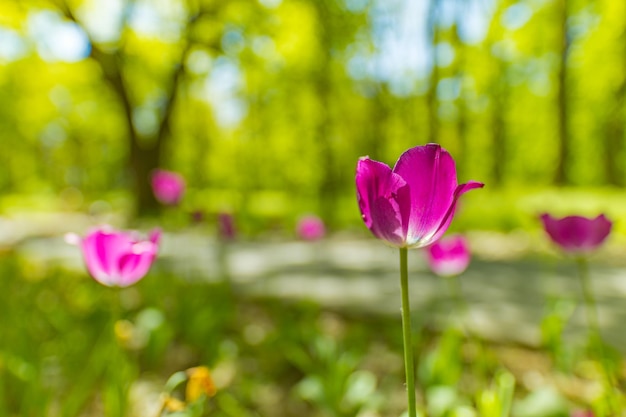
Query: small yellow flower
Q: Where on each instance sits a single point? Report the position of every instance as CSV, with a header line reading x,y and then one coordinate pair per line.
x,y
173,404
199,382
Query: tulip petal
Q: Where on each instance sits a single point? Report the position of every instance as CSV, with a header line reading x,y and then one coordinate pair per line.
x,y
135,265
378,189
155,236
601,229
430,173
101,250
447,219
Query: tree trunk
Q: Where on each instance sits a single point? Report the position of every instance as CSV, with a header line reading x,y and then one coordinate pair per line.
x,y
500,97
462,119
328,182
378,122
614,127
142,159
564,151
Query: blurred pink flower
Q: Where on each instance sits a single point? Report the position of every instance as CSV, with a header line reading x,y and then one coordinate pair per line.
x,y
168,187
412,205
197,216
117,258
582,413
226,226
310,227
577,234
449,256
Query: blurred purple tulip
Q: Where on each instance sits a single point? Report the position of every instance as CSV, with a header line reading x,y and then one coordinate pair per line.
x,y
412,205
197,216
582,413
310,228
577,234
450,256
168,187
226,226
117,258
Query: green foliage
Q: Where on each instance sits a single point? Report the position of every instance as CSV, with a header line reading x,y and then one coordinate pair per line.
x,y
559,312
262,99
68,352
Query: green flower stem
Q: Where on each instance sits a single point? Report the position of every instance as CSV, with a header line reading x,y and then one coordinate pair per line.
x,y
590,303
406,332
595,335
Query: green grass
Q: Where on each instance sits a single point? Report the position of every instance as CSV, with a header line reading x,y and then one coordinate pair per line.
x,y
61,357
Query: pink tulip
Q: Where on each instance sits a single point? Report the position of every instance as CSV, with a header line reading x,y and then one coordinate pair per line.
x,y
412,205
310,228
449,256
226,226
197,216
582,413
117,258
577,234
168,187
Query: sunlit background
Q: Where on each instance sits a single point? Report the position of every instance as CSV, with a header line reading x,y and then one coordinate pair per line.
x,y
265,106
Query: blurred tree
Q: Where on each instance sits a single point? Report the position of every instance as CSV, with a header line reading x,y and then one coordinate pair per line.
x,y
500,96
335,29
265,105
463,78
328,22
615,121
145,148
564,152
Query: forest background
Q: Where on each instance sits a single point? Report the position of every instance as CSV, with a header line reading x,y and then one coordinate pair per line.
x,y
265,106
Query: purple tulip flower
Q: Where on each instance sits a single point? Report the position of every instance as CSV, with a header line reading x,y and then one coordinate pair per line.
x,y
117,258
168,187
577,234
197,216
412,205
450,256
310,228
226,226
